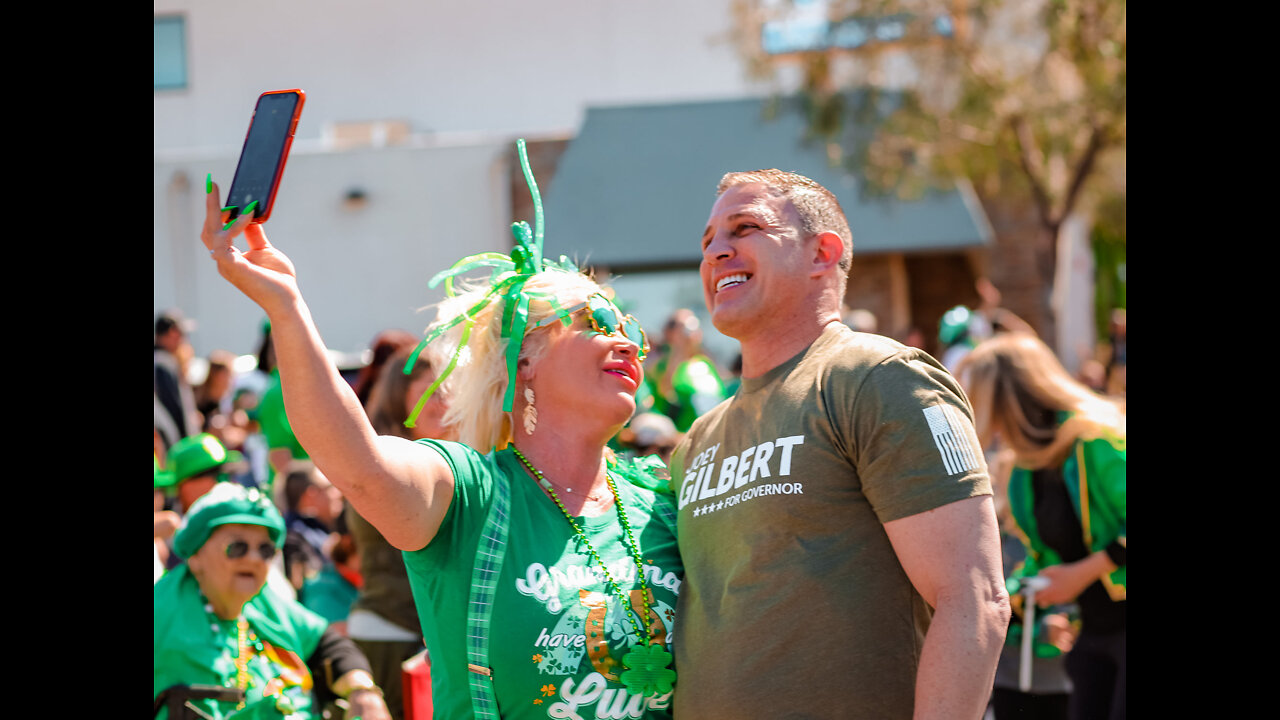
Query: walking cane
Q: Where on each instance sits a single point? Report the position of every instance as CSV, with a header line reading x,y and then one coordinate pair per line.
x,y
1030,586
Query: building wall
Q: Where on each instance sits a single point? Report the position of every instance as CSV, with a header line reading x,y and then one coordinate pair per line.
x,y
362,269
460,80
503,66
872,287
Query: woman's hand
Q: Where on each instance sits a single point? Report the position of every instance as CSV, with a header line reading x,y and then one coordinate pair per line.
x,y
367,705
1068,580
262,273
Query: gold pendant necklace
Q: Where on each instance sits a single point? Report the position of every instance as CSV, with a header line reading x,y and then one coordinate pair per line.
x,y
241,659
648,663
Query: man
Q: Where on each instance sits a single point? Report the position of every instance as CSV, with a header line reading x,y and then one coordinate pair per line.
x,y
175,403
197,463
841,550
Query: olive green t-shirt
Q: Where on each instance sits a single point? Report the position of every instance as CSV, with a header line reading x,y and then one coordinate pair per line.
x,y
546,660
794,603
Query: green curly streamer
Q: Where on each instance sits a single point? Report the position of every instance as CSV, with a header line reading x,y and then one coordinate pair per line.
x,y
412,420
507,278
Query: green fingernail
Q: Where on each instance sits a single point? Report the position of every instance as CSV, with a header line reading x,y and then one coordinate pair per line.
x,y
252,206
208,183
229,208
233,222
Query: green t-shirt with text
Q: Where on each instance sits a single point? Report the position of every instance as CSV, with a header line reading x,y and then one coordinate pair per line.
x,y
795,604
545,662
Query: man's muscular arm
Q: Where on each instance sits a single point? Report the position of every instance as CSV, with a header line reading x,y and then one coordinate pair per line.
x,y
952,556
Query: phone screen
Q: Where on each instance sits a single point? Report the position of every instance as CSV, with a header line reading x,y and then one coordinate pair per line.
x,y
263,155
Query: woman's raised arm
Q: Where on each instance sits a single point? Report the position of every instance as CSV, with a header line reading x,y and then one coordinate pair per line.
x,y
401,488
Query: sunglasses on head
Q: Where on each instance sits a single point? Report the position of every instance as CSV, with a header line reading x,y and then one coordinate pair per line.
x,y
238,549
608,320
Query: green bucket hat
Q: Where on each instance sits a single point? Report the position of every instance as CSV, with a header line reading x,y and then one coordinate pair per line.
x,y
954,324
197,455
227,503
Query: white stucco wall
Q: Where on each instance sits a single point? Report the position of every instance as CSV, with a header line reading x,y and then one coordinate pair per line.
x,y
361,270
506,66
468,77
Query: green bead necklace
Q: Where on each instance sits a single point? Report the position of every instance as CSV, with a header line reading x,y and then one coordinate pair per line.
x,y
648,672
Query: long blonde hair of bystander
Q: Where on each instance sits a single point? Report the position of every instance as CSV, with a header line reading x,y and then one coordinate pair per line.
x,y
1018,388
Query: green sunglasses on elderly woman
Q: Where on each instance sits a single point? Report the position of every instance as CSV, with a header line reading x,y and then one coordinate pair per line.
x,y
607,319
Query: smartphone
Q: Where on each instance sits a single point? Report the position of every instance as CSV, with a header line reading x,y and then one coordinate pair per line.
x,y
265,151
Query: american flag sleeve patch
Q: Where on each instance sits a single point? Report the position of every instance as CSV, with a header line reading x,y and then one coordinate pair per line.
x,y
949,434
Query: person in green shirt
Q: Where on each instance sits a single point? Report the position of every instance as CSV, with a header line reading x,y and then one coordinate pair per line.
x,y
685,382
215,624
545,570
1067,494
196,464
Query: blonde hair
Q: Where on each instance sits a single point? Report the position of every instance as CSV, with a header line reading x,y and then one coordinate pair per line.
x,y
1017,387
479,382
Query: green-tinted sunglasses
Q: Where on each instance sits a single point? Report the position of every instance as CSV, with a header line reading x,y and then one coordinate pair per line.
x,y
607,319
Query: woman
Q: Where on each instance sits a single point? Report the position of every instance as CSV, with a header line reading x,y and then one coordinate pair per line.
x,y
214,625
1067,494
545,583
383,621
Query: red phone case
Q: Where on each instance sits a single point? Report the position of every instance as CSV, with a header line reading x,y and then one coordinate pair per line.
x,y
288,143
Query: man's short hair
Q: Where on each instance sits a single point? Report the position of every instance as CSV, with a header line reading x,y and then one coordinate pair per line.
x,y
818,208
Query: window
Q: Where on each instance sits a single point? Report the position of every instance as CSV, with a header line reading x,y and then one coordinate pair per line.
x,y
170,67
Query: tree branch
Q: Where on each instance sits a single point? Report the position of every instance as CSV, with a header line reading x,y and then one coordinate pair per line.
x,y
1032,167
1083,169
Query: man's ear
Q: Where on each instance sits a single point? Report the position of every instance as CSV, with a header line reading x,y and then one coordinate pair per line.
x,y
827,251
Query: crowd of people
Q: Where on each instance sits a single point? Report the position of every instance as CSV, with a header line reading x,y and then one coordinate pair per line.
x,y
569,518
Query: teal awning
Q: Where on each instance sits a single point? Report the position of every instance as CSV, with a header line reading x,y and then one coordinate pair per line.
x,y
634,188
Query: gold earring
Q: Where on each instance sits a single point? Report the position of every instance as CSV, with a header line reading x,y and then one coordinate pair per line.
x,y
530,412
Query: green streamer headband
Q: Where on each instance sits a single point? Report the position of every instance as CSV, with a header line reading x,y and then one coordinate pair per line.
x,y
507,278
